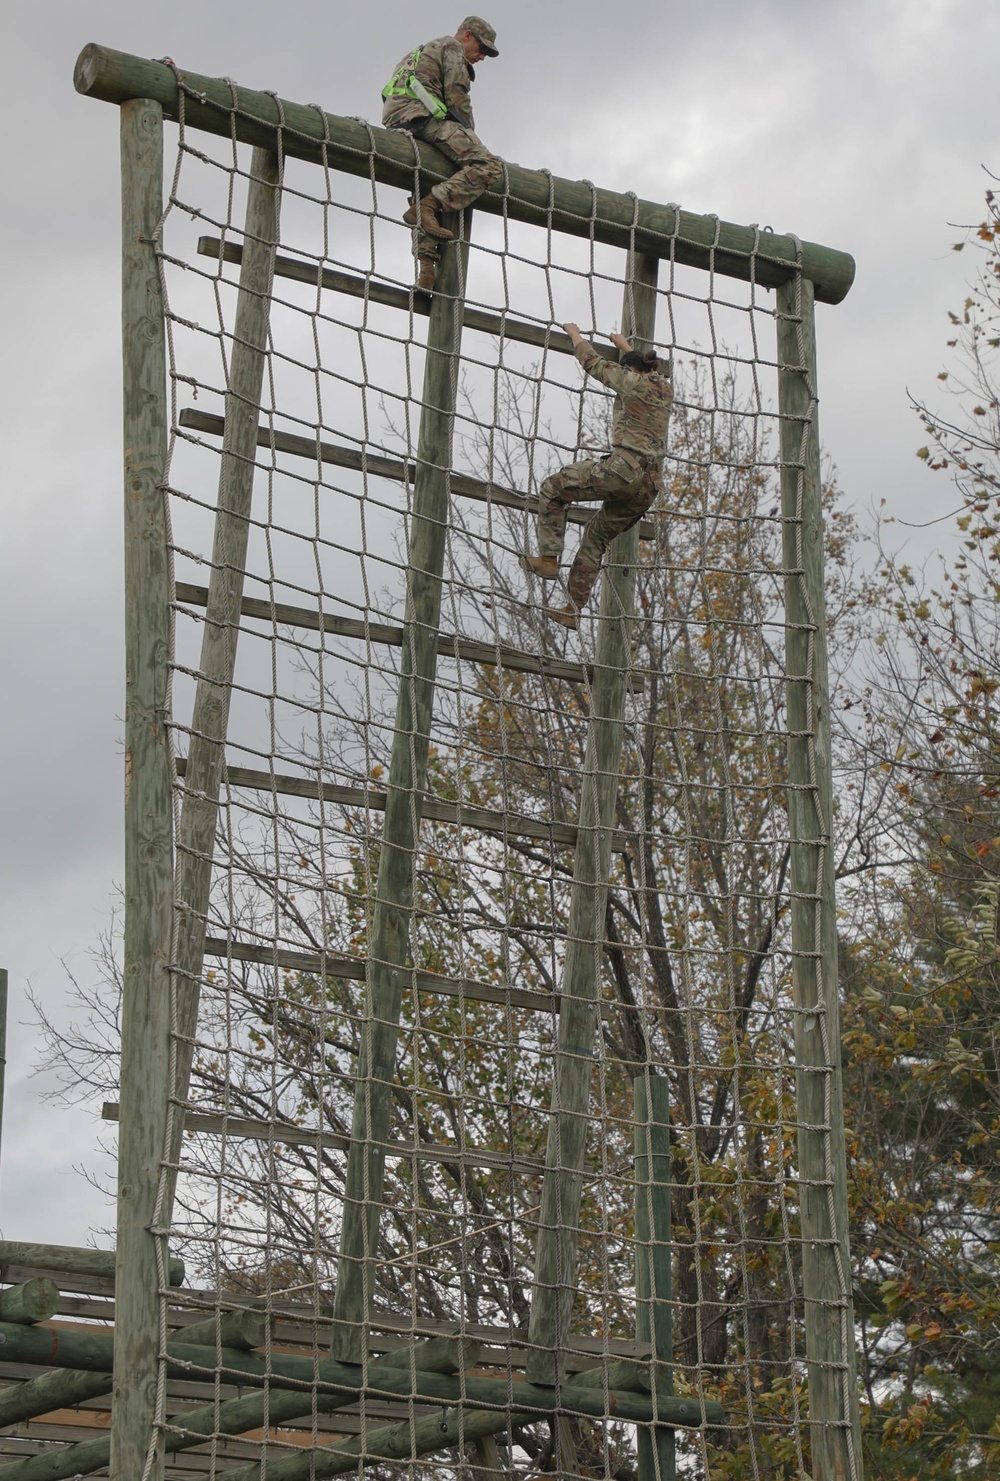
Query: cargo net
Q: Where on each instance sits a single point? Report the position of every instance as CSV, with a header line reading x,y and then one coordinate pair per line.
x,y
694,956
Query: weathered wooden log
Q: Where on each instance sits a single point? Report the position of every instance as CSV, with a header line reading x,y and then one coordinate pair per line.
x,y
357,1272
70,1259
35,1301
60,1389
93,1352
554,1288
834,1414
234,1416
64,1388
620,1375
244,1327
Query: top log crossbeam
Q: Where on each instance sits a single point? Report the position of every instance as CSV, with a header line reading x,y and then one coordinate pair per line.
x,y
572,206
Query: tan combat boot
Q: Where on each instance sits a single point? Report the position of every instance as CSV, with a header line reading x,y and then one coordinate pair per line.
x,y
423,213
545,566
567,616
427,274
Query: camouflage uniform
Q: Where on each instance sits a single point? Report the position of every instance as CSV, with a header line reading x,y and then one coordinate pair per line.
x,y
628,478
444,71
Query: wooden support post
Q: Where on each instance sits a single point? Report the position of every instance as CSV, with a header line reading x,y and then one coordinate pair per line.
x,y
653,1274
390,934
829,1315
148,818
210,722
558,1224
488,1464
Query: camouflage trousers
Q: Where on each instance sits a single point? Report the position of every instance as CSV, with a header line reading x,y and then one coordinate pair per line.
x,y
627,483
478,170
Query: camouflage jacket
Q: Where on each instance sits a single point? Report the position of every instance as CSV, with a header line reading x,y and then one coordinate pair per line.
x,y
443,70
642,406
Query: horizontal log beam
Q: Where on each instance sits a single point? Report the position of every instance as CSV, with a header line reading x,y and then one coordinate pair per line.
x,y
411,301
376,466
484,819
244,1327
380,632
300,1136
93,1351
405,1441
572,206
63,1388
70,1259
352,969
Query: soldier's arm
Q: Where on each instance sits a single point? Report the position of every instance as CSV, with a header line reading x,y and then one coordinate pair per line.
x,y
594,364
605,371
455,82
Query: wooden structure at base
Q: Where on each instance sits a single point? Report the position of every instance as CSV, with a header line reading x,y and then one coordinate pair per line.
x,y
55,1418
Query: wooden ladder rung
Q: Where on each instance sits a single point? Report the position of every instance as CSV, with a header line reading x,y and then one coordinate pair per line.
x,y
449,646
352,969
483,819
410,301
290,1135
377,466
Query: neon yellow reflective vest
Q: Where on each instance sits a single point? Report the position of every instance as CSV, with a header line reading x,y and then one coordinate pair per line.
x,y
403,84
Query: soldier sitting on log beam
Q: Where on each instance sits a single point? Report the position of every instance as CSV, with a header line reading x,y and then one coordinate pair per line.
x,y
428,96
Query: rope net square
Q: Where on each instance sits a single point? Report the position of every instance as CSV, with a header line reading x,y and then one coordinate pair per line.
x,y
689,1188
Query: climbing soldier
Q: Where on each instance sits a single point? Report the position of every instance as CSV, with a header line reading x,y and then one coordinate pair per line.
x,y
428,96
628,478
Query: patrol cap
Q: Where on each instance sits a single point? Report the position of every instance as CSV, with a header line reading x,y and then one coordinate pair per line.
x,y
483,32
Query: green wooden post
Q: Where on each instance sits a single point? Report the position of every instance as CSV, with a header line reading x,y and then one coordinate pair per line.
x,y
829,1314
390,931
148,818
653,1274
210,722
558,1224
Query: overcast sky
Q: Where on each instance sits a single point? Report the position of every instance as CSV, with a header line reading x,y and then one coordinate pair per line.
x,y
861,124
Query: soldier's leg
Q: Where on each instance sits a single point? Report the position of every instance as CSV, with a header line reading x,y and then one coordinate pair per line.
x,y
626,501
427,251
559,490
478,170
